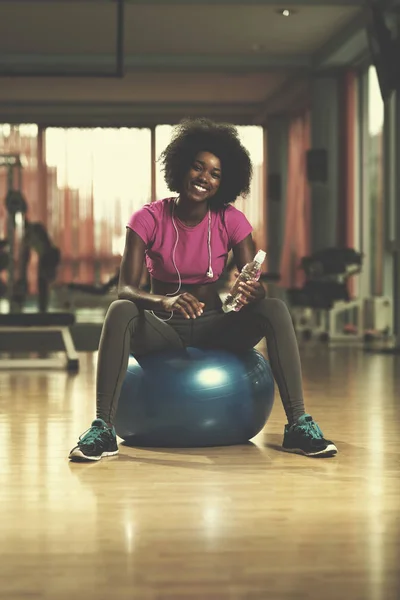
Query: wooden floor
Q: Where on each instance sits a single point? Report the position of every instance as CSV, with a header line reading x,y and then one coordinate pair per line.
x,y
234,523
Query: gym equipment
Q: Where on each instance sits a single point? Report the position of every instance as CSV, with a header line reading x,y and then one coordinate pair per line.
x,y
90,295
378,319
323,306
3,289
16,208
15,202
27,324
74,296
37,238
24,236
93,289
14,256
194,398
4,260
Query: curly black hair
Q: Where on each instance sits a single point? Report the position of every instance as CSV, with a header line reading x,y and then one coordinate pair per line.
x,y
192,136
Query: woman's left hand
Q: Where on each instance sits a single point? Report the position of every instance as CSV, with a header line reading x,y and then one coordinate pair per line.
x,y
251,291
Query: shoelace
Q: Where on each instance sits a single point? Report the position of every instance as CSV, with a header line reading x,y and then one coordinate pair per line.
x,y
311,430
91,435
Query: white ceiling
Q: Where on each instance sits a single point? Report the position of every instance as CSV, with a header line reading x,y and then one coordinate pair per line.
x,y
231,57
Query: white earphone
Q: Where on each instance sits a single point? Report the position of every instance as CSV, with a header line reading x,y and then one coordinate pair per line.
x,y
209,273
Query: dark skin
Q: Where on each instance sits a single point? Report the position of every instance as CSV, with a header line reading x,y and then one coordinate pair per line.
x,y
198,188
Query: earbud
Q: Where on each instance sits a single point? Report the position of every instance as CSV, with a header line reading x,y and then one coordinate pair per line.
x,y
210,273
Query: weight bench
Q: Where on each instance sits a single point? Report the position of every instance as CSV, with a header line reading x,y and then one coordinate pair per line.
x,y
37,324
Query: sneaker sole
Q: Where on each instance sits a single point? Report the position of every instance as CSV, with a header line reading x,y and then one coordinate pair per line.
x,y
330,450
78,456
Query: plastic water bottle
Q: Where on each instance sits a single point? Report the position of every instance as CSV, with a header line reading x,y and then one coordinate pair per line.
x,y
251,271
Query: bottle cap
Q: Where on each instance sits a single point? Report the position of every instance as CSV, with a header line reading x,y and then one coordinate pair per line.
x,y
260,257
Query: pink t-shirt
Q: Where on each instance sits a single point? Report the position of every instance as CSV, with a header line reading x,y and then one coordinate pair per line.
x,y
153,223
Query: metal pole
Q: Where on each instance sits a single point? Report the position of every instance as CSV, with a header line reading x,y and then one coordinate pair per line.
x,y
11,242
396,253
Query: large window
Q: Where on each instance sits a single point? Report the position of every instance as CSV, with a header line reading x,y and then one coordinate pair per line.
x,y
97,178
83,185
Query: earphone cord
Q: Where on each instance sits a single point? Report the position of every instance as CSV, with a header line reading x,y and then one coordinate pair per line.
x,y
209,272
174,263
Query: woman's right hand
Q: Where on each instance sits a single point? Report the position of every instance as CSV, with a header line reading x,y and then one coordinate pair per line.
x,y
185,303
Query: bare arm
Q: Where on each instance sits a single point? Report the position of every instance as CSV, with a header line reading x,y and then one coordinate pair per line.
x,y
244,252
131,272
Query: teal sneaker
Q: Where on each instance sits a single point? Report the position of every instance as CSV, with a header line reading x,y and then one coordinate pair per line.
x,y
305,437
95,443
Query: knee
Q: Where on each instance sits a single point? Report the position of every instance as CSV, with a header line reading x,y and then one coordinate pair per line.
x,y
121,311
273,308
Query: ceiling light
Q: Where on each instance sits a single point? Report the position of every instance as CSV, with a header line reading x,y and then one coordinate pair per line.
x,y
285,12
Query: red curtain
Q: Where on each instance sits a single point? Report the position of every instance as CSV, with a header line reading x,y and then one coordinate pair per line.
x,y
297,224
22,140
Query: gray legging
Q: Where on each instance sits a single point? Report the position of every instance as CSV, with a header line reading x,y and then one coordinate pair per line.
x,y
127,329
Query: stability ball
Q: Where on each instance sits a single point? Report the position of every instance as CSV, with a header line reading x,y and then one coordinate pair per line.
x,y
194,398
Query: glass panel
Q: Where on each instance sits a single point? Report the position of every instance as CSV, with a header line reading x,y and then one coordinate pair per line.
x,y
97,178
163,137
252,138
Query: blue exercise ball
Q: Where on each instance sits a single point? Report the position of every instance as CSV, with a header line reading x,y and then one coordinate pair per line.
x,y
194,398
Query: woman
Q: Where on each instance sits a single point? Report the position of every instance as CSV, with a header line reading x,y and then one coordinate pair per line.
x,y
185,242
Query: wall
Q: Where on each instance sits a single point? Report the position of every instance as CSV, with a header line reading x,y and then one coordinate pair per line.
x,y
325,135
277,152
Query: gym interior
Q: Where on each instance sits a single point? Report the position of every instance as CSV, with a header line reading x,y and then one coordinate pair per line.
x,y
89,94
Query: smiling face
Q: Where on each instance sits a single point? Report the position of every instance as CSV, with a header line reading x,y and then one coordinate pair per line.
x,y
203,179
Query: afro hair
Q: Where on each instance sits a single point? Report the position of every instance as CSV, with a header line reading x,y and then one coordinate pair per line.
x,y
192,136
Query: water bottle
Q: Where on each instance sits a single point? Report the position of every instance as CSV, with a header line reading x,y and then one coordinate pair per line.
x,y
251,271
